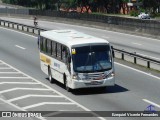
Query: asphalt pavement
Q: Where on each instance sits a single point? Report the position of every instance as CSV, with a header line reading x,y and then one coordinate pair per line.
x,y
131,43
30,88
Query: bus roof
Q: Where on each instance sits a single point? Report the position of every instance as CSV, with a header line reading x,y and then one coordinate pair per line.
x,y
71,37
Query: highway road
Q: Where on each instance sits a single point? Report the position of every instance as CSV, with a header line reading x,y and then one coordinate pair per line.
x,y
140,45
134,90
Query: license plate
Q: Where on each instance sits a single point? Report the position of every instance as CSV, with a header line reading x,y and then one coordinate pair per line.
x,y
96,82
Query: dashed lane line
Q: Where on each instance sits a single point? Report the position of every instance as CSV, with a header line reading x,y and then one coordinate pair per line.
x,y
48,103
13,89
28,83
30,95
43,21
20,47
14,77
6,68
10,73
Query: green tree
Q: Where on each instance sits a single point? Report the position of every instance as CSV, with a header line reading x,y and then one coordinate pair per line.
x,y
67,4
39,4
151,5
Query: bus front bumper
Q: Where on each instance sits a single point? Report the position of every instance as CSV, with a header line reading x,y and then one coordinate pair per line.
x,y
75,84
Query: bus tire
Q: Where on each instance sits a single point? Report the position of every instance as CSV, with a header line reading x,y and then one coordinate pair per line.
x,y
65,83
50,75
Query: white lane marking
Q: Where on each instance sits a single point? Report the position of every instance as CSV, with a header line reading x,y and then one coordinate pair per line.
x,y
150,102
20,47
138,70
19,108
55,91
157,40
28,83
30,95
116,63
14,77
5,68
9,73
148,56
136,43
79,27
13,89
90,28
18,32
48,103
117,33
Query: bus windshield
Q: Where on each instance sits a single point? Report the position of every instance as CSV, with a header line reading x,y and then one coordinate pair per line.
x,y
93,58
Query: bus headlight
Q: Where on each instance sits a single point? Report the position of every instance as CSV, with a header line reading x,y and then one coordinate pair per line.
x,y
74,76
111,74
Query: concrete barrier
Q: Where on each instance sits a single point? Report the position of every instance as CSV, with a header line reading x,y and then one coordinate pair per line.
x,y
112,27
122,54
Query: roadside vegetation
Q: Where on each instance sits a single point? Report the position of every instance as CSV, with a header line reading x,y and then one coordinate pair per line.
x,y
93,6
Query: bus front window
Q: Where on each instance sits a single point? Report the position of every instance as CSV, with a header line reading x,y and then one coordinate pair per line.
x,y
93,58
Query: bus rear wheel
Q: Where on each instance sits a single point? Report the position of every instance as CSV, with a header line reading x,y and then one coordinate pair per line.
x,y
50,75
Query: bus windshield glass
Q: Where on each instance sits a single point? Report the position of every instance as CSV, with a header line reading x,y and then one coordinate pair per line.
x,y
93,58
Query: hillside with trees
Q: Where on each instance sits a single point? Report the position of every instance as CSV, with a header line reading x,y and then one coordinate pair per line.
x,y
104,6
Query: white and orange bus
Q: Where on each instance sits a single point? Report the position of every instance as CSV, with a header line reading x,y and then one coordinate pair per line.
x,y
75,59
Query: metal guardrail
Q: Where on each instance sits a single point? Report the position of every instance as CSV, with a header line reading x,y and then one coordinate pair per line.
x,y
22,27
136,56
150,27
32,29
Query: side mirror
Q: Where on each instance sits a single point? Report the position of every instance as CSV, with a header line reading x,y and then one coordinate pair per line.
x,y
113,54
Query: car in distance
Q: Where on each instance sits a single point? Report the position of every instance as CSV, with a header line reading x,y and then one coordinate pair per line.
x,y
143,15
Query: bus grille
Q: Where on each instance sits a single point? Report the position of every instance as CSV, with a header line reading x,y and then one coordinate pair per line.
x,y
95,76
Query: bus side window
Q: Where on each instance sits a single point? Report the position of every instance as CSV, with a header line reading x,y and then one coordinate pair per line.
x,y
44,45
59,51
64,53
54,49
49,46
41,44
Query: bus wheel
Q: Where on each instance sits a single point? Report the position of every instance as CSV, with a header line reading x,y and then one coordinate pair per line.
x,y
65,83
50,75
